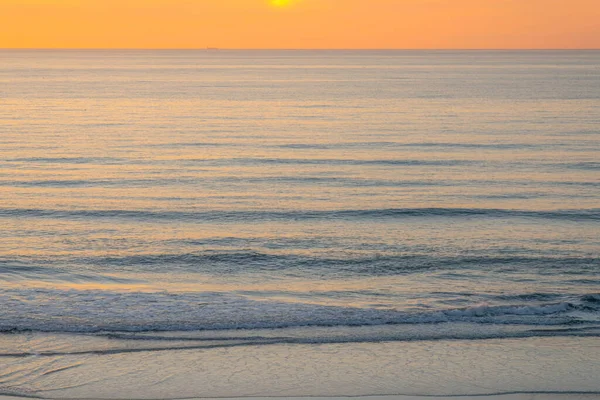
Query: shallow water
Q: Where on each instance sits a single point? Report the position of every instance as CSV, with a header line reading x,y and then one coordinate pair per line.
x,y
306,197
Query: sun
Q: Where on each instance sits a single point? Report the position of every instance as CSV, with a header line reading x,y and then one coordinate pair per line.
x,y
281,3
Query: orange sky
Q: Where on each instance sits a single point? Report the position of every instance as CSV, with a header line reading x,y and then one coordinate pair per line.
x,y
300,23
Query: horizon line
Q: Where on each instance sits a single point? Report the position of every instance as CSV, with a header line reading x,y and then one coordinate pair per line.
x,y
213,49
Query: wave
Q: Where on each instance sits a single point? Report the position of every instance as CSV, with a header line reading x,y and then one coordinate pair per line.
x,y
75,183
366,162
251,160
296,180
243,262
217,343
257,215
389,144
216,263
70,160
251,263
591,165
20,272
227,262
101,311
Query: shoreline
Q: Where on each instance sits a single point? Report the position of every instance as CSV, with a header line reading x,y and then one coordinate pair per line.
x,y
509,396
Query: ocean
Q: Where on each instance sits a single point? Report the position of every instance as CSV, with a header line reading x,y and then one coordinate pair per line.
x,y
220,223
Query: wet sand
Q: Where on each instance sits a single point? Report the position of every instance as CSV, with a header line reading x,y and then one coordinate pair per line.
x,y
515,396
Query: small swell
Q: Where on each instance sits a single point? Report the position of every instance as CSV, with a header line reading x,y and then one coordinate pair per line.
x,y
14,271
251,215
244,261
591,166
70,160
334,161
591,298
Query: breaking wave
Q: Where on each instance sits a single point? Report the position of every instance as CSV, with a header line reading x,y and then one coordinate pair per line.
x,y
98,311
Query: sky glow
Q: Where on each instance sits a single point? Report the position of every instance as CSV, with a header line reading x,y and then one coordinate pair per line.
x,y
312,24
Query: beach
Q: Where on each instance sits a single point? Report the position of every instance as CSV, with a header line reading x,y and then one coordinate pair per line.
x,y
211,369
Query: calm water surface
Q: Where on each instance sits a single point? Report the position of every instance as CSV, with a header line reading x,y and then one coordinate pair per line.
x,y
344,196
